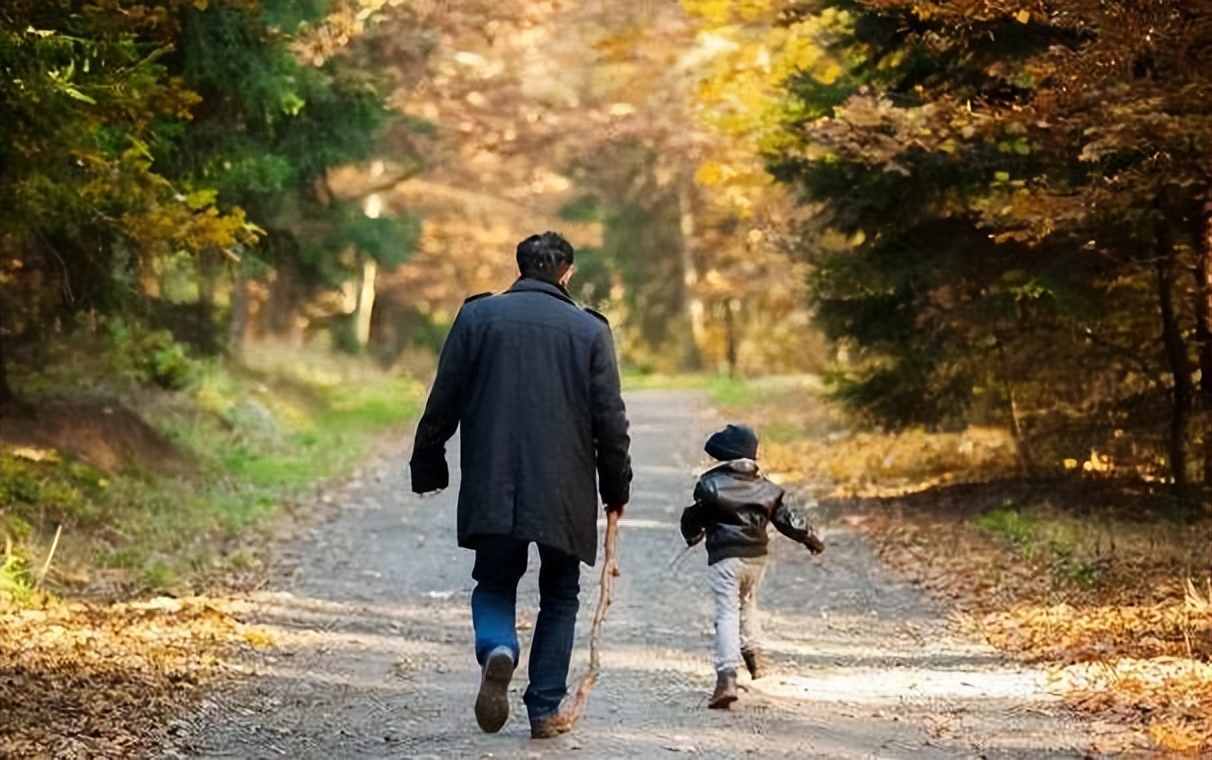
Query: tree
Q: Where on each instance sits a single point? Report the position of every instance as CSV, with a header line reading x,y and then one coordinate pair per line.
x,y
85,97
1009,198
142,132
279,111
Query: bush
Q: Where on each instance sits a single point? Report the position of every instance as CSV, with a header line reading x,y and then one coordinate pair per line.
x,y
15,583
151,357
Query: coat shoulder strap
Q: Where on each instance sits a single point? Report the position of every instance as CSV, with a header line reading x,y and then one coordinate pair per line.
x,y
597,314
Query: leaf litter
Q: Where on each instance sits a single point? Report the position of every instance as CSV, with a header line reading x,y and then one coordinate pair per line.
x,y
85,680
1115,603
1136,653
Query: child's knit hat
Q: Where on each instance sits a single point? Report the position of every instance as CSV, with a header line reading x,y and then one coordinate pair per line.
x,y
733,442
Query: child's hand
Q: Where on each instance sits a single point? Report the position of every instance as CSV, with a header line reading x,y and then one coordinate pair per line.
x,y
814,544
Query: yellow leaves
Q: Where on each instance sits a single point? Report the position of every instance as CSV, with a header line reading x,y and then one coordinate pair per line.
x,y
188,223
259,638
1097,463
1135,648
1023,16
710,11
1197,602
35,455
829,73
1172,694
1187,738
200,199
799,52
719,12
114,672
1067,633
620,46
709,173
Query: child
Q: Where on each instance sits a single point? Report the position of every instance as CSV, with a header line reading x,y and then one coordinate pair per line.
x,y
733,504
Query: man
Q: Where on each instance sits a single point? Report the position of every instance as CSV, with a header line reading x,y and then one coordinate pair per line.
x,y
532,381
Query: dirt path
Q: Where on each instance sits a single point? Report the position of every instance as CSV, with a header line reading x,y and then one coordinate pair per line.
x,y
373,655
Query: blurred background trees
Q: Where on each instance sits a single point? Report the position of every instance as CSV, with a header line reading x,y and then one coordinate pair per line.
x,y
1012,219
164,158
960,213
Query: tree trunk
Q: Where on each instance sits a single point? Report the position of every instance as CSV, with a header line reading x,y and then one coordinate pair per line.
x,y
366,300
7,397
281,311
730,310
241,311
1022,446
1180,370
1203,328
208,277
690,272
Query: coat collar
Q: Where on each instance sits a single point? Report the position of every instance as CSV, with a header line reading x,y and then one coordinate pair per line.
x,y
531,285
745,468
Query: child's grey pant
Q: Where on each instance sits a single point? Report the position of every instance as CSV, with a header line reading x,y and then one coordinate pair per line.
x,y
734,584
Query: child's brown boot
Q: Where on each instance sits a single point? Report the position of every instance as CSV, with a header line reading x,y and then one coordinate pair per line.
x,y
756,663
725,690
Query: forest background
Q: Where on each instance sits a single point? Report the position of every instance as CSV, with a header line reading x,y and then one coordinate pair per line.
x,y
234,233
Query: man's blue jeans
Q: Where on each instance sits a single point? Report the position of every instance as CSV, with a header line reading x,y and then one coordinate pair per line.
x,y
500,564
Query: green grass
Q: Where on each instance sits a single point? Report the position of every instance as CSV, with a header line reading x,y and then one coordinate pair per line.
x,y
636,380
1010,523
730,392
783,431
738,393
259,436
16,582
1075,550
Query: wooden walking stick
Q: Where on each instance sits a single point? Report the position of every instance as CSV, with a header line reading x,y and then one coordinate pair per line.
x,y
610,570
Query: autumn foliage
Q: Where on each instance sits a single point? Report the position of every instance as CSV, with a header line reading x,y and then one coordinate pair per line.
x,y
1012,219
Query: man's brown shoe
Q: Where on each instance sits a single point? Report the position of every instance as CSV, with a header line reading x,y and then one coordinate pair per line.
x,y
756,663
550,726
725,690
492,703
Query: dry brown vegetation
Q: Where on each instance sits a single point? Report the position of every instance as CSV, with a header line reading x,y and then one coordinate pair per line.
x,y
1110,605
1086,575
143,494
116,673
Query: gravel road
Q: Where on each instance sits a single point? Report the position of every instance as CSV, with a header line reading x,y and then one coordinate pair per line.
x,y
372,655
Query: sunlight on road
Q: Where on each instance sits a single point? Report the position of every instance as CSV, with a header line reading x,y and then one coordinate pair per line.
x,y
880,686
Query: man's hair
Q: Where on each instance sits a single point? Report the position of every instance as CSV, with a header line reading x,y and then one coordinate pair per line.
x,y
540,256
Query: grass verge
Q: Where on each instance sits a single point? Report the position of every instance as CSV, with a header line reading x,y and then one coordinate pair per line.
x,y
234,448
98,503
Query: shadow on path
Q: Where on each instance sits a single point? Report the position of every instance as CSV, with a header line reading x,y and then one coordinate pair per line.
x,y
373,656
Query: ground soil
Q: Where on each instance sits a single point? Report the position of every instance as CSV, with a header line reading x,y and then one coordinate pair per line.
x,y
101,433
372,657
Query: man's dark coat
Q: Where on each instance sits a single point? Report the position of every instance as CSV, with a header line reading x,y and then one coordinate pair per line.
x,y
532,381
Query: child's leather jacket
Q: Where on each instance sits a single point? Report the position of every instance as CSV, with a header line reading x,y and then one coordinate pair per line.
x,y
733,505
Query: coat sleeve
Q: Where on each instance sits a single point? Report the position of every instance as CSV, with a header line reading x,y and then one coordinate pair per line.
x,y
611,440
694,517
792,521
442,412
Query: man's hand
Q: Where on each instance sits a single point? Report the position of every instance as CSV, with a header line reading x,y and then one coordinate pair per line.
x,y
617,509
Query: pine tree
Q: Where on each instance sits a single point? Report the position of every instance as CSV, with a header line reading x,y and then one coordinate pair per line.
x,y
1007,200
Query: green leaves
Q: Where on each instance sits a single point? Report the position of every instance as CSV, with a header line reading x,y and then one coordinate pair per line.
x,y
1010,179
141,132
